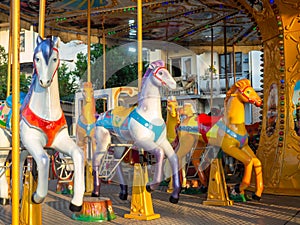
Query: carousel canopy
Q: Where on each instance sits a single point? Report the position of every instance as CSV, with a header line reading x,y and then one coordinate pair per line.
x,y
188,23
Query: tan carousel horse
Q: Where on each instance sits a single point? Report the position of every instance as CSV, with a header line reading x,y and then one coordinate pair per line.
x,y
197,144
229,133
85,127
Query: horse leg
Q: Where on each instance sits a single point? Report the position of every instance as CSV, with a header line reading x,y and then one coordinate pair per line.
x,y
159,156
103,139
201,174
259,179
5,142
174,163
64,144
123,183
23,156
43,162
4,198
246,158
258,172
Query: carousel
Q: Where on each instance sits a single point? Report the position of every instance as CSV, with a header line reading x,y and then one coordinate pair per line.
x,y
270,26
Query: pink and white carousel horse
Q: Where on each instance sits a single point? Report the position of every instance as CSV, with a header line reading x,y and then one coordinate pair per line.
x,y
143,125
43,123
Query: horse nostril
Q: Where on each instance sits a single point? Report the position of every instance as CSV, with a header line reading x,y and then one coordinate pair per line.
x,y
41,82
48,82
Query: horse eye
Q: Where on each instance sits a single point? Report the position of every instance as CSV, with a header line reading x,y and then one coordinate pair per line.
x,y
160,73
37,59
55,59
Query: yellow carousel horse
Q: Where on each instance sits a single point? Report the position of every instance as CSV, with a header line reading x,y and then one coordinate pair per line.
x,y
229,133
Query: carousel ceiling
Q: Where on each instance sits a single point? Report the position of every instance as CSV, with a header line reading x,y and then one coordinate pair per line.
x,y
187,23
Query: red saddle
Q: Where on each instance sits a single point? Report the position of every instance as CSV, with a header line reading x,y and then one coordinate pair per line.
x,y
205,122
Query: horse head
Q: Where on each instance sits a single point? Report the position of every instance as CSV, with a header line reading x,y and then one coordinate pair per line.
x,y
160,75
246,93
88,92
46,60
172,106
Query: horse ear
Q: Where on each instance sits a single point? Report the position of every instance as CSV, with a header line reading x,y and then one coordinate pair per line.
x,y
56,41
39,40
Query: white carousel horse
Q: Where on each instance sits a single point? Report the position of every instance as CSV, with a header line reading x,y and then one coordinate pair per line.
x,y
43,123
143,125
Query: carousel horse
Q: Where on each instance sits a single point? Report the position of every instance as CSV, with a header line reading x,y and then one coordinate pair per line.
x,y
229,133
85,127
142,125
43,124
5,137
174,113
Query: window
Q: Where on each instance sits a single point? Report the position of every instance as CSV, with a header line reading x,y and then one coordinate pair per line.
x,y
229,62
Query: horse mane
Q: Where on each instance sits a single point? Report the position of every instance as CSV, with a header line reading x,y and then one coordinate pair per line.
x,y
240,84
29,93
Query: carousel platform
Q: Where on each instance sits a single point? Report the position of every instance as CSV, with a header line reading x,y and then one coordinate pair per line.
x,y
271,210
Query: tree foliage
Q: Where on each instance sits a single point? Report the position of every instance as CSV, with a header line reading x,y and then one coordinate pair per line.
x,y
24,81
121,66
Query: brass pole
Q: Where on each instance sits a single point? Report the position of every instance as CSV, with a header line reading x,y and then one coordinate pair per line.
x,y
15,111
9,54
225,55
234,66
42,18
104,54
89,41
211,66
104,62
140,46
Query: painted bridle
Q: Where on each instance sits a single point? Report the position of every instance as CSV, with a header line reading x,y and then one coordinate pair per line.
x,y
246,94
156,71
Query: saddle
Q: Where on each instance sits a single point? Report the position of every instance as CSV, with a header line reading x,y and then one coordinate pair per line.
x,y
120,114
205,123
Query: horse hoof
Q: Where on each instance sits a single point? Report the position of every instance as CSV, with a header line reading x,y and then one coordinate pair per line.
x,y
33,199
4,201
255,197
203,189
237,188
148,188
123,196
173,200
75,208
95,195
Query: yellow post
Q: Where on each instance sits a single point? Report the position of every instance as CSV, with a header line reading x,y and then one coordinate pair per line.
x,y
15,111
141,202
7,174
140,45
31,214
217,194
